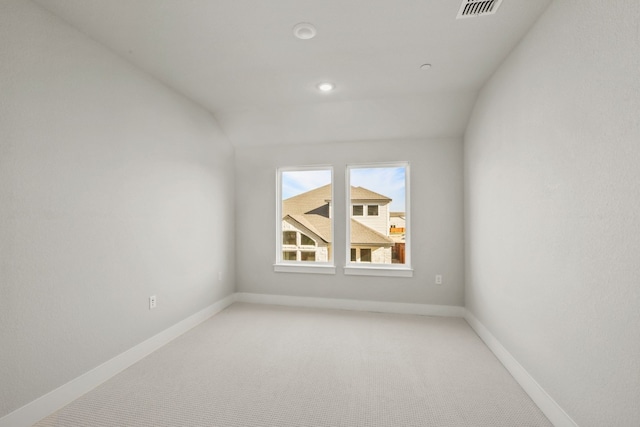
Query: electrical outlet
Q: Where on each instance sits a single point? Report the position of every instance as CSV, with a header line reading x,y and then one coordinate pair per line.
x,y
438,279
152,302
219,275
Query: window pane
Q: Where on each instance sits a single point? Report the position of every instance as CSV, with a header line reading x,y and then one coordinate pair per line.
x,y
305,209
383,190
289,238
289,256
307,256
306,240
353,255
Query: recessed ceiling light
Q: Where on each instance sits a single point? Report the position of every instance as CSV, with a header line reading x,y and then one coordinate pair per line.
x,y
326,87
304,31
425,66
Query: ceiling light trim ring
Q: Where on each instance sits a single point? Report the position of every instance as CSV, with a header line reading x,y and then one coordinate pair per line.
x,y
304,31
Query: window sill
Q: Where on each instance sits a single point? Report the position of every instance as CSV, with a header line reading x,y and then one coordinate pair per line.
x,y
311,269
376,270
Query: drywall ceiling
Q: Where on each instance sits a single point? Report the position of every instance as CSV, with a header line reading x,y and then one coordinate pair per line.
x,y
240,60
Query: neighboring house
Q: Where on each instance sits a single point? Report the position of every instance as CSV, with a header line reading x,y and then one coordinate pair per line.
x,y
306,226
370,240
397,223
397,231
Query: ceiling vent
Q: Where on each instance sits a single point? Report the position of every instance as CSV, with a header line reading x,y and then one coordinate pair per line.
x,y
473,8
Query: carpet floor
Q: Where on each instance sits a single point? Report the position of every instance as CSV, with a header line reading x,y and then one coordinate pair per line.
x,y
258,366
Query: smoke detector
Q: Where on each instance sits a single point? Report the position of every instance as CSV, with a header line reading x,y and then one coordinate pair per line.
x,y
473,8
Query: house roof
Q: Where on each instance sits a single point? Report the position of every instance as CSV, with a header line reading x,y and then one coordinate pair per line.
x,y
319,225
363,235
311,210
361,193
309,202
313,200
360,233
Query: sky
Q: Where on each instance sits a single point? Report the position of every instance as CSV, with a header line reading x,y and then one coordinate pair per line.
x,y
389,182
297,182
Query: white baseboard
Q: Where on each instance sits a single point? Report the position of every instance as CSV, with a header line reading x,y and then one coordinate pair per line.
x,y
355,305
67,393
553,411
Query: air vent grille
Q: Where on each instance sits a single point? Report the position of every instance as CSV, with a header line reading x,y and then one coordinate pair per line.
x,y
473,8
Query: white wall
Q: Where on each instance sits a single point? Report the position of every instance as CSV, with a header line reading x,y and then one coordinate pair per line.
x,y
552,178
436,203
112,188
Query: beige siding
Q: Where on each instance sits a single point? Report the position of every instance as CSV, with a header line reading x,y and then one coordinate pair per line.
x,y
380,223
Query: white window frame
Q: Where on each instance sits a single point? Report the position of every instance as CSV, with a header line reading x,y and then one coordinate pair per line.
x,y
284,266
374,269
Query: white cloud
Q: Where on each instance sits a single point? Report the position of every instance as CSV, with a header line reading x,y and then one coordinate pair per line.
x,y
389,182
297,182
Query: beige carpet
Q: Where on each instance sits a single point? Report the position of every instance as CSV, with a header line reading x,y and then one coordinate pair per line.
x,y
254,365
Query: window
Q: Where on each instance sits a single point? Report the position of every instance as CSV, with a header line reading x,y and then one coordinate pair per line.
x,y
293,243
289,238
377,193
307,256
306,240
376,214
304,220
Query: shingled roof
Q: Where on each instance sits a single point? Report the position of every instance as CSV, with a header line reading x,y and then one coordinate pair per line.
x,y
313,201
310,202
363,235
311,210
361,193
318,224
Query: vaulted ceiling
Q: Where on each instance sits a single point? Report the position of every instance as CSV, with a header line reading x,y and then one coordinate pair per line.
x,y
240,60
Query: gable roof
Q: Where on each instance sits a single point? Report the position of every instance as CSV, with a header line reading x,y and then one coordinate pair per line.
x,y
319,225
361,193
363,235
311,211
312,201
307,202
